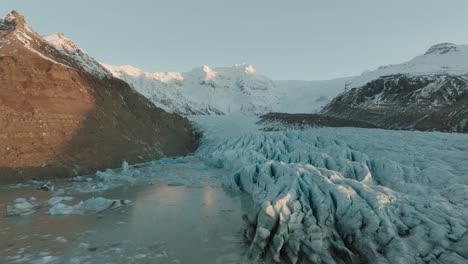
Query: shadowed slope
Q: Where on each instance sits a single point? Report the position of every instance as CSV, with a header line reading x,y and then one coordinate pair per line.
x,y
60,115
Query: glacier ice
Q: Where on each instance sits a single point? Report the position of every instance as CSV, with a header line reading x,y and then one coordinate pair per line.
x,y
350,195
22,206
58,199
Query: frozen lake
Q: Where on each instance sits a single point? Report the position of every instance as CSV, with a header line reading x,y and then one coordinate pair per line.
x,y
166,222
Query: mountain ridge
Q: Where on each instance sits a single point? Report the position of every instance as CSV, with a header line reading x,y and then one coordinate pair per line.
x,y
428,92
61,119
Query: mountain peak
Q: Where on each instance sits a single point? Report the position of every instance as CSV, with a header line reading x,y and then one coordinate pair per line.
x,y
11,21
14,15
207,69
442,48
247,68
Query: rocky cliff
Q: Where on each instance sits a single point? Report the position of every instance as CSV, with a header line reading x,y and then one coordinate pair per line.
x,y
62,114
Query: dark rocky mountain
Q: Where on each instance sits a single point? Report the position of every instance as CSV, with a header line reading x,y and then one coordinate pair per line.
x,y
429,92
426,102
62,114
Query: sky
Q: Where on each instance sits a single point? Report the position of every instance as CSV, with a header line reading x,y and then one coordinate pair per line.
x,y
295,39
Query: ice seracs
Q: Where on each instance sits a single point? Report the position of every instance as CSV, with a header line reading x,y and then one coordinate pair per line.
x,y
348,195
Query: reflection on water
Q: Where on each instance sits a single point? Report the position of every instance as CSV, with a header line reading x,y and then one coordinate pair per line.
x,y
164,224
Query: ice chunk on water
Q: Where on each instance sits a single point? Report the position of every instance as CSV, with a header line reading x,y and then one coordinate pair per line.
x,y
61,239
126,174
22,206
46,187
61,209
93,205
58,199
46,260
81,179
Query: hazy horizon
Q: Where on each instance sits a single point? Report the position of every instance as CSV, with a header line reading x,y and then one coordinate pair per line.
x,y
300,40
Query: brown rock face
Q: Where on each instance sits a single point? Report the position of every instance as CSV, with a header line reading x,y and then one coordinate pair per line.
x,y
58,120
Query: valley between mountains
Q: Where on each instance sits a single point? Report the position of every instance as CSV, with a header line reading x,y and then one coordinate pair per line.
x,y
103,163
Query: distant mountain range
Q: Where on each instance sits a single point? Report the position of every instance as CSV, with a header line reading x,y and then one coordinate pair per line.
x,y
428,92
228,90
204,90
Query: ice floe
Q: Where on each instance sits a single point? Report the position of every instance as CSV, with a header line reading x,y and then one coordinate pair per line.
x,y
58,199
92,205
22,206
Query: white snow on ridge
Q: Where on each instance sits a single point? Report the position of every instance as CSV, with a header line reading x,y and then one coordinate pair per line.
x,y
72,51
394,196
444,58
73,56
239,89
228,90
204,90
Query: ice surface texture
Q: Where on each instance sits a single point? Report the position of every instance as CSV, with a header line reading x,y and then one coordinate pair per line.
x,y
351,195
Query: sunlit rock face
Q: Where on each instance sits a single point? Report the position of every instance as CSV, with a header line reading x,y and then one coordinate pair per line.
x,y
63,114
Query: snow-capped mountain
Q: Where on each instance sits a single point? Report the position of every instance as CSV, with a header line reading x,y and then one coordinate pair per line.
x,y
429,92
55,48
204,90
228,90
444,58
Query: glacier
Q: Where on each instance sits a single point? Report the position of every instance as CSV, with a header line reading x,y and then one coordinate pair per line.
x,y
321,195
346,195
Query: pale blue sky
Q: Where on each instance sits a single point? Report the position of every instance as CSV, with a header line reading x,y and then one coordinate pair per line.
x,y
303,39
